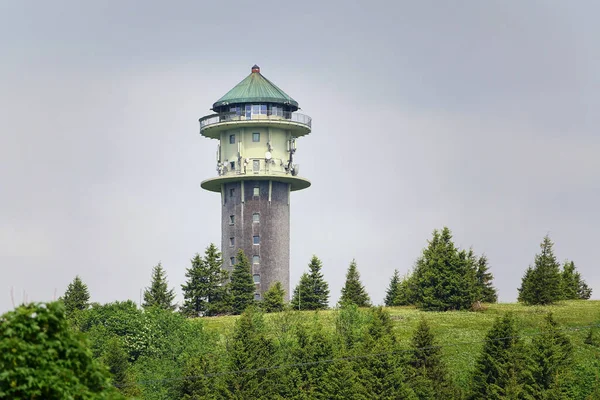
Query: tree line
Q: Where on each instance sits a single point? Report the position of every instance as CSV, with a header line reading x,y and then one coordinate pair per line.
x,y
444,278
118,350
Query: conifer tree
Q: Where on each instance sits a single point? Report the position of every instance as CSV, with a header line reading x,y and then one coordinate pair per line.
x,y
205,291
76,296
406,291
312,292
249,350
158,294
428,368
273,298
573,286
391,294
353,291
551,359
341,382
241,285
383,375
499,368
542,283
444,277
487,292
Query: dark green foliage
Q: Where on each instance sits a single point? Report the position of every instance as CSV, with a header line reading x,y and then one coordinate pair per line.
x,y
313,345
158,294
427,367
241,287
542,284
249,350
115,357
572,285
391,294
551,359
499,368
76,296
444,278
486,291
593,337
406,291
312,292
205,291
273,298
341,382
353,291
42,358
200,385
381,368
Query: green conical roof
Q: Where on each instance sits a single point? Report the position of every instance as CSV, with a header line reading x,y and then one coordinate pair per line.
x,y
255,88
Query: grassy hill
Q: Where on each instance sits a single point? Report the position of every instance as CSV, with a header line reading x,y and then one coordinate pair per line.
x,y
461,333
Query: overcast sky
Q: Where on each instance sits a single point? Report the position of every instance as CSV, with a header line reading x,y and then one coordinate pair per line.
x,y
477,115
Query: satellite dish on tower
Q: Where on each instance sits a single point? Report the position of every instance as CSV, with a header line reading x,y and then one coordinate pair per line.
x,y
268,155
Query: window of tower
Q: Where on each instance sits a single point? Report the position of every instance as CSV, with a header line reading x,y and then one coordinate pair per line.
x,y
277,111
256,137
256,217
256,278
256,239
232,139
256,296
255,259
256,166
231,219
231,241
231,192
232,261
232,165
256,191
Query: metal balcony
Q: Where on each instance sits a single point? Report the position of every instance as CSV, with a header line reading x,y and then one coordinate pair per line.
x,y
281,118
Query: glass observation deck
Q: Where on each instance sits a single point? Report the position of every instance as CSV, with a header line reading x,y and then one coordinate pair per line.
x,y
255,113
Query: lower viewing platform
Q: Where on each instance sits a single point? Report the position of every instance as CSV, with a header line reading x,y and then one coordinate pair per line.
x,y
214,184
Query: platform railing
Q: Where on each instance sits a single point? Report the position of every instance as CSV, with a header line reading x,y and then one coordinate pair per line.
x,y
237,116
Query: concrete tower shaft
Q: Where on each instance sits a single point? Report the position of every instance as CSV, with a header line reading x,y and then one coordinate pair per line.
x,y
257,125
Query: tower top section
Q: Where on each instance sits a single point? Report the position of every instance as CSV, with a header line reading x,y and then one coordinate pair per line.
x,y
255,88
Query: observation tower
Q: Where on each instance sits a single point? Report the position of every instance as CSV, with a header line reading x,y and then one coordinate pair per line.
x,y
257,125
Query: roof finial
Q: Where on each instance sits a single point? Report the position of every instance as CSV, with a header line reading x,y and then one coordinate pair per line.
x,y
255,68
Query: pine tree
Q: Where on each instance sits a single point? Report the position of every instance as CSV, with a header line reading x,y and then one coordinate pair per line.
x,y
314,345
353,291
406,291
76,296
312,292
542,284
242,284
551,359
391,294
158,294
249,350
341,382
444,276
499,367
383,375
487,292
573,286
273,298
205,290
427,365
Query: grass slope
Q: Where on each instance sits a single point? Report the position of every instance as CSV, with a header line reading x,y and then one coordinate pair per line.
x,y
461,332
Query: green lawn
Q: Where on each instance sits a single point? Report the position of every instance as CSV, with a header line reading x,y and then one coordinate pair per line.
x,y
462,332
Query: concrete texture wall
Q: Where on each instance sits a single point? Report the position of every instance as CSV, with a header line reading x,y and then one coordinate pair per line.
x,y
273,230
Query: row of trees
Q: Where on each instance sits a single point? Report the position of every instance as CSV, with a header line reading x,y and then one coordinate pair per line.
x,y
546,283
444,278
447,278
159,354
